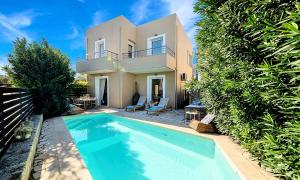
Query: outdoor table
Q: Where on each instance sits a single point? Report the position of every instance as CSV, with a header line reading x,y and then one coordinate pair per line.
x,y
195,107
194,110
86,101
191,113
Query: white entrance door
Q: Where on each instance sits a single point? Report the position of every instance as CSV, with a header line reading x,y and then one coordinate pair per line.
x,y
156,87
102,90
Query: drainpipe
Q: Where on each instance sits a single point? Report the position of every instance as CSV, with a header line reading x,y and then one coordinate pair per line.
x,y
176,52
119,69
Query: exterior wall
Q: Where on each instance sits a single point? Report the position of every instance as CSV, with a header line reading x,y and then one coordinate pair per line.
x,y
110,31
128,88
184,47
165,25
141,80
114,88
128,33
117,33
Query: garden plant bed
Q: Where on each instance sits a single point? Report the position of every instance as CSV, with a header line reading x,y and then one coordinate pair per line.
x,y
17,161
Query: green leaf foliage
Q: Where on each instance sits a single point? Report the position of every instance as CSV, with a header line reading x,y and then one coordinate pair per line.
x,y
79,84
249,60
43,69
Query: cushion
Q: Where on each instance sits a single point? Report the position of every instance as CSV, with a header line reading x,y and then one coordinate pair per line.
x,y
154,108
140,104
208,118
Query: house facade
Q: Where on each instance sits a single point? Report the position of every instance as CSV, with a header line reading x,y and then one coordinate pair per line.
x,y
154,59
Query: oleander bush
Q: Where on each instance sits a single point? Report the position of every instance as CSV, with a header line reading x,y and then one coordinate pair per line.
x,y
250,76
43,69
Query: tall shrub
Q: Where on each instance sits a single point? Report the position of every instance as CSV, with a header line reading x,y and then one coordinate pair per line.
x,y
45,70
250,67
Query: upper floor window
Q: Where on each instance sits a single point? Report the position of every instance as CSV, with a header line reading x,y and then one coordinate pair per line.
x,y
155,44
100,48
130,49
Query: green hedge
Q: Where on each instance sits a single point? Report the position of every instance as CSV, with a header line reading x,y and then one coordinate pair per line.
x,y
250,76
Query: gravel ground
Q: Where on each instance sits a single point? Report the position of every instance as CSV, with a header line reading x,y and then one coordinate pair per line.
x,y
13,161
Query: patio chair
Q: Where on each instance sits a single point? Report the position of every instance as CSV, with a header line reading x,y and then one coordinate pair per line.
x,y
162,106
140,104
78,103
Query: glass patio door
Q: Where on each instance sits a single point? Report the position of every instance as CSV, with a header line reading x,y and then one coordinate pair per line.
x,y
157,89
101,91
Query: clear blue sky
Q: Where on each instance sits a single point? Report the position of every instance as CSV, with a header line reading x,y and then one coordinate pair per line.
x,y
64,22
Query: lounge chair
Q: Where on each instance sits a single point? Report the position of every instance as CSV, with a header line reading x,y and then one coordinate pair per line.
x,y
205,125
140,104
162,106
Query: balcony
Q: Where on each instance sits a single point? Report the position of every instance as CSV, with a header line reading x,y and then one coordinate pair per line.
x,y
104,62
159,59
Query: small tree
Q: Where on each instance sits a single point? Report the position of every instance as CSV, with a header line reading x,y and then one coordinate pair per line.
x,y
43,69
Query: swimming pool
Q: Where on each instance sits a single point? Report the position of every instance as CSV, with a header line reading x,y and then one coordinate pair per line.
x,y
115,147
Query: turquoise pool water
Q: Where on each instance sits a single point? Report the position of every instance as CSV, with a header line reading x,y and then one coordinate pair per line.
x,y
117,148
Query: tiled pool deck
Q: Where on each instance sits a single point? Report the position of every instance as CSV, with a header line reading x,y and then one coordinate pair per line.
x,y
58,158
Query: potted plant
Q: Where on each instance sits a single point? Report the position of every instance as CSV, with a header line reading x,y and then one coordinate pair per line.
x,y
23,132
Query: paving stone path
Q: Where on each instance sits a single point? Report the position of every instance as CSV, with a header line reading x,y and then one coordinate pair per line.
x,y
57,156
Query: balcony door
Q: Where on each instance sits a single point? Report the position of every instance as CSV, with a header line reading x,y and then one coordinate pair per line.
x,y
100,48
130,49
156,88
155,44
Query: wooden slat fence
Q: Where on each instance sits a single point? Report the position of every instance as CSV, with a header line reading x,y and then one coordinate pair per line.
x,y
16,105
77,92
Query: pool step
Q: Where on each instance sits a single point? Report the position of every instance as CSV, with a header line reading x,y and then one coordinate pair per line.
x,y
94,146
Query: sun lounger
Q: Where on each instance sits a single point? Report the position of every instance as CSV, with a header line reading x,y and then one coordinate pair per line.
x,y
162,105
205,125
140,104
